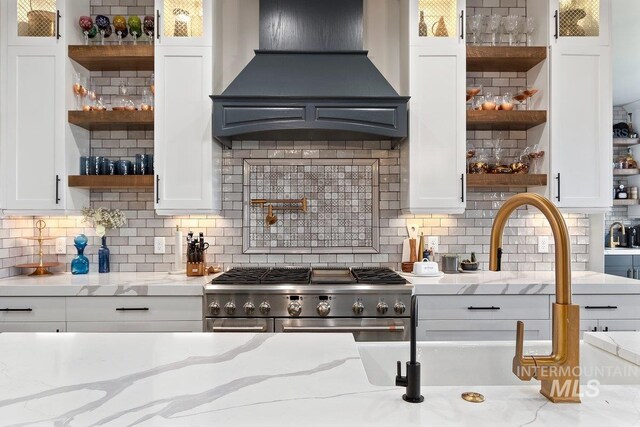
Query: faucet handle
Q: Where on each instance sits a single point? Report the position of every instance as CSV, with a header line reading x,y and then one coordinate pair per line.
x,y
521,366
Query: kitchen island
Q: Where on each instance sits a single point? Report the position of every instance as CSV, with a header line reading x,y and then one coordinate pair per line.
x,y
239,379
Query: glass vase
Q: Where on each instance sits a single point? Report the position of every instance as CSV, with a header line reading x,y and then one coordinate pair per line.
x,y
103,256
80,263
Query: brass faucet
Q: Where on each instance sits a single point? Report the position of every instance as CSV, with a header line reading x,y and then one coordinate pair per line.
x,y
613,243
558,372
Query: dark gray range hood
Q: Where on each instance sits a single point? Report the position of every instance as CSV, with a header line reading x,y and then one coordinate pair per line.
x,y
310,80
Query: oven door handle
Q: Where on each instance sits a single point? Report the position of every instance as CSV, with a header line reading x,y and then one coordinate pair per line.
x,y
262,328
388,328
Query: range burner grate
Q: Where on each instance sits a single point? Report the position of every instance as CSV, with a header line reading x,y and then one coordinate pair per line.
x,y
378,276
294,276
240,276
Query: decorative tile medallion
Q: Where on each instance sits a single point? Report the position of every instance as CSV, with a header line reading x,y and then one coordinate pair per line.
x,y
342,214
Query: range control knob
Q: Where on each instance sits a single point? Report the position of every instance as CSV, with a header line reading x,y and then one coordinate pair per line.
x,y
214,308
382,307
358,307
249,307
229,308
324,308
295,308
264,308
399,308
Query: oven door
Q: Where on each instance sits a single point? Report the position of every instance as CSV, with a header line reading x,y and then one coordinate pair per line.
x,y
363,329
239,325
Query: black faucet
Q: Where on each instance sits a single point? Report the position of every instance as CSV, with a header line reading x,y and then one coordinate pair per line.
x,y
412,380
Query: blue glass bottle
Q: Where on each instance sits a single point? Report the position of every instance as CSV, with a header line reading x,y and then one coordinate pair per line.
x,y
80,263
103,256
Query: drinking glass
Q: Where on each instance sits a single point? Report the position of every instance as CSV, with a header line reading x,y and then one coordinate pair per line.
x,y
475,27
492,26
506,102
510,24
535,155
519,30
529,29
77,89
152,84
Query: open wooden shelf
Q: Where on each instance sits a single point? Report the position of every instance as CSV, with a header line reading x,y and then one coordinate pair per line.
x,y
625,172
113,57
111,181
112,120
506,180
504,120
625,142
504,58
626,202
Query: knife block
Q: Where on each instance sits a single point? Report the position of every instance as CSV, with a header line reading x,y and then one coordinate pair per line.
x,y
195,269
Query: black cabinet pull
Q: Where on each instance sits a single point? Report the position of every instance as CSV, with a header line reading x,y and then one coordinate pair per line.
x,y
462,188
557,25
157,189
606,329
58,36
483,308
158,24
16,310
595,329
57,189
601,307
462,25
132,309
558,179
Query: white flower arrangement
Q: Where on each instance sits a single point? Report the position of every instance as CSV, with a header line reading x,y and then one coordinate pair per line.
x,y
104,219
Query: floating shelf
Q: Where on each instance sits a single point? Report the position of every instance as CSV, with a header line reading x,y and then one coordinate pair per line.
x,y
113,57
504,58
625,172
625,202
625,142
112,120
505,120
111,181
505,180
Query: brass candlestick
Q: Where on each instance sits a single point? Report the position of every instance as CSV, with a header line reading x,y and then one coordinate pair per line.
x,y
41,267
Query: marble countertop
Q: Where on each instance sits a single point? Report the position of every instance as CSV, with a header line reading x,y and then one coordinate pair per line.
x,y
109,284
623,344
240,379
521,283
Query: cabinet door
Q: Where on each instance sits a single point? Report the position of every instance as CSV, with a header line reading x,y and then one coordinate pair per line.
x,y
183,141
33,149
184,22
436,21
581,145
580,23
433,158
34,22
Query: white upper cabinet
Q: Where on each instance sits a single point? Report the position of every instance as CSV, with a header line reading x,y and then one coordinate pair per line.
x,y
433,157
34,22
184,22
581,105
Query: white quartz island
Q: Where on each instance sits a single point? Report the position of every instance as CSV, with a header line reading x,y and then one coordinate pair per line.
x,y
245,379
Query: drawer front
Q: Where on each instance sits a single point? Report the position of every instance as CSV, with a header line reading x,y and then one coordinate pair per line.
x,y
608,306
619,261
155,326
133,309
32,309
481,330
33,327
487,307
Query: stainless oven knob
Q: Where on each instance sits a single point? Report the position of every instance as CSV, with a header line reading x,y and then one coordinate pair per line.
x,y
358,307
214,308
229,308
382,307
295,308
249,307
324,308
264,308
399,308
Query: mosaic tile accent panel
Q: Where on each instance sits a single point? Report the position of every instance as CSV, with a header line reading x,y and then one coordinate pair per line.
x,y
343,203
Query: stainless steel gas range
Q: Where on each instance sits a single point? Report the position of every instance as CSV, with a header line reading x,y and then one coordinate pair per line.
x,y
371,303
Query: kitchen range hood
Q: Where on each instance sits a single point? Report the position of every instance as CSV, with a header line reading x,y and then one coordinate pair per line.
x,y
310,80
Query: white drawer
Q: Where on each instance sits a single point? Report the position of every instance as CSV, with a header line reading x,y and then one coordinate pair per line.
x,y
487,307
481,330
33,327
32,309
155,326
608,306
133,309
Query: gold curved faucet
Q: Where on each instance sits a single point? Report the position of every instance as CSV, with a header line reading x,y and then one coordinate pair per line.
x,y
558,372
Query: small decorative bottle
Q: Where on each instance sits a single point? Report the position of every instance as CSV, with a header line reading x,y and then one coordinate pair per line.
x,y
80,263
422,26
103,256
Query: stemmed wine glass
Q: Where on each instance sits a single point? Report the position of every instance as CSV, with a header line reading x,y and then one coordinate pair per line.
x,y
492,26
529,29
77,89
510,24
475,27
535,155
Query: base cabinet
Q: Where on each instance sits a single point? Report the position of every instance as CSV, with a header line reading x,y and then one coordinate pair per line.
x,y
159,326
481,330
